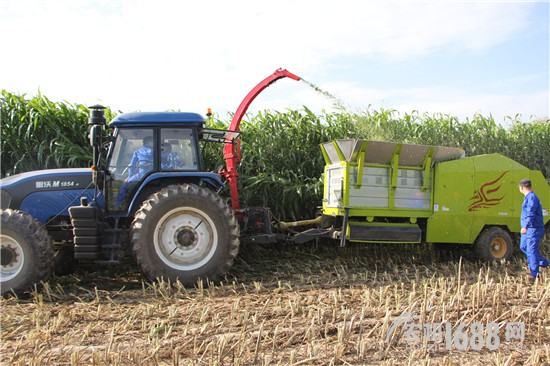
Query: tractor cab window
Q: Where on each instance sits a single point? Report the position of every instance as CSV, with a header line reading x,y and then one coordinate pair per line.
x,y
178,149
132,158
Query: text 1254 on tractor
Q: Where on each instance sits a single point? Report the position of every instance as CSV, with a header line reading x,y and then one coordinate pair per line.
x,y
151,197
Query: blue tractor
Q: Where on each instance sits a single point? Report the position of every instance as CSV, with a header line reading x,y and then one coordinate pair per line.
x,y
150,192
147,194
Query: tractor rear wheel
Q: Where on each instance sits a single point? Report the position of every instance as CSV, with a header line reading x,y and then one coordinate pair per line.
x,y
494,244
186,233
26,252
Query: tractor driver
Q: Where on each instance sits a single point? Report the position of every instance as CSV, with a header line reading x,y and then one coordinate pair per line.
x,y
142,160
169,159
141,163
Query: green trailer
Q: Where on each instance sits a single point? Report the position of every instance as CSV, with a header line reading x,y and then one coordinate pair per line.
x,y
384,192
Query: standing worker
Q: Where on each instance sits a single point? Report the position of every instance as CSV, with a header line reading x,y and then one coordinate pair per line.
x,y
532,229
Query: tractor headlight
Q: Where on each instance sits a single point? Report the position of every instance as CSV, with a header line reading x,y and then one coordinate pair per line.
x,y
5,199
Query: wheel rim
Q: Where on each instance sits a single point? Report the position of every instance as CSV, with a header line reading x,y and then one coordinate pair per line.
x,y
498,247
185,238
11,256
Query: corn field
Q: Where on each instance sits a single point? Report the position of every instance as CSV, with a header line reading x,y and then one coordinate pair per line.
x,y
312,304
281,164
40,134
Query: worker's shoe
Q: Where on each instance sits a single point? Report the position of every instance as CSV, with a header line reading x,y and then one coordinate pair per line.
x,y
533,279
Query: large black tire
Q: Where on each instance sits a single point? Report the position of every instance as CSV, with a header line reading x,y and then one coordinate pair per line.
x,y
494,244
186,233
26,252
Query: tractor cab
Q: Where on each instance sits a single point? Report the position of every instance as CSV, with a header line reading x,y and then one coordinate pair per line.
x,y
152,156
146,147
148,151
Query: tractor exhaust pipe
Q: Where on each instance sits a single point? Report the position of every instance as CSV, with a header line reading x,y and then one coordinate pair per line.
x,y
97,124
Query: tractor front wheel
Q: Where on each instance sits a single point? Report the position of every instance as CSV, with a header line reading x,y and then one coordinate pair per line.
x,y
26,253
494,244
186,233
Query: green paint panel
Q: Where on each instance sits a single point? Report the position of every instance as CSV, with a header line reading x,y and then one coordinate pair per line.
x,y
479,191
497,200
451,221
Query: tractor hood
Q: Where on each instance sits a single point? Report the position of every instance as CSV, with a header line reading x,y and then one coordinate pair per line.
x,y
50,179
47,190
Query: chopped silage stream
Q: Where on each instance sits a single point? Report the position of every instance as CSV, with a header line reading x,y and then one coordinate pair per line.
x,y
306,305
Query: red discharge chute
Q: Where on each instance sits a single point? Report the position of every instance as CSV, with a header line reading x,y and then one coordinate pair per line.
x,y
232,151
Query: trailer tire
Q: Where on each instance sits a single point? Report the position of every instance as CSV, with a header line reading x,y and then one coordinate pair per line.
x,y
186,233
26,252
494,244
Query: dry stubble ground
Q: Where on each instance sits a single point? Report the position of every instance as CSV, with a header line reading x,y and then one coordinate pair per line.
x,y
306,305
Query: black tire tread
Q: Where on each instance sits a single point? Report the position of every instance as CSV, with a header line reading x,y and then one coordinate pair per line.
x,y
481,246
165,195
43,265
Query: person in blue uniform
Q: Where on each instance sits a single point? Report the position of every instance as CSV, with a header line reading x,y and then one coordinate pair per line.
x,y
169,160
141,163
142,160
532,229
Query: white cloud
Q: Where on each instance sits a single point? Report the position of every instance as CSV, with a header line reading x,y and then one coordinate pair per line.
x,y
141,55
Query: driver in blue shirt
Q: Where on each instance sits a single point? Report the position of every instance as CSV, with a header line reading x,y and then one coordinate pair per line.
x,y
169,160
141,163
142,160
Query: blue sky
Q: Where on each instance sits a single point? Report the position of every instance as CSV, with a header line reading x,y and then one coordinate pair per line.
x,y
450,57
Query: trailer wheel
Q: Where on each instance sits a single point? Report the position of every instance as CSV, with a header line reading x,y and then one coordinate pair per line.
x,y
25,251
494,244
186,233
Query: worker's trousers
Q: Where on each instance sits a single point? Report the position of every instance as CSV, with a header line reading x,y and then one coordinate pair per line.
x,y
529,245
